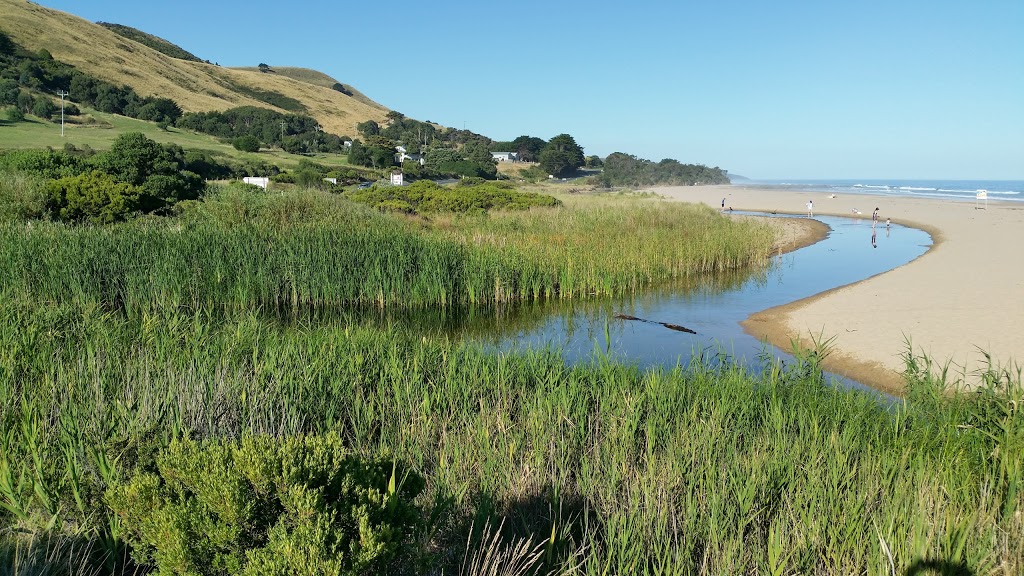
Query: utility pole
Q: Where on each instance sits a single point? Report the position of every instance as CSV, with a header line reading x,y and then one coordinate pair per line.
x,y
62,94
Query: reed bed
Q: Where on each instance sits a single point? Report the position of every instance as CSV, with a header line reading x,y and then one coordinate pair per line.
x,y
308,251
703,469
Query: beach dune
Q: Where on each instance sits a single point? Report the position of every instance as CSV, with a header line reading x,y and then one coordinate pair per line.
x,y
958,304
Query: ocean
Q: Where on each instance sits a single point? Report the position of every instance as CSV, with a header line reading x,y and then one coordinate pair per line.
x,y
956,190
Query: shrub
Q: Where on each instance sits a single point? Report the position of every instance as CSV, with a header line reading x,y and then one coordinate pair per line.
x,y
425,196
95,197
45,163
298,505
169,189
43,108
246,144
15,114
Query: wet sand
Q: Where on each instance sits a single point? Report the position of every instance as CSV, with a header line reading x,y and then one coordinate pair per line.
x,y
955,304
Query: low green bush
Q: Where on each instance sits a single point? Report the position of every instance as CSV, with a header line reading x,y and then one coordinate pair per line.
x,y
246,143
44,163
425,196
94,197
263,505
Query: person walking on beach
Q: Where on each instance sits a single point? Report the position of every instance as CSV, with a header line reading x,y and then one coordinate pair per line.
x,y
887,222
723,203
810,208
874,217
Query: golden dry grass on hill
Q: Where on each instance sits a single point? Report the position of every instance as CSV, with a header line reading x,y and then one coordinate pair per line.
x,y
195,86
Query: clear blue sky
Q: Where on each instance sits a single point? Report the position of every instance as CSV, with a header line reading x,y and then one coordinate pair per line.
x,y
767,89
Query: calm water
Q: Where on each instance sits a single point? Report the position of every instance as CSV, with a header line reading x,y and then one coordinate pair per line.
x,y
712,307
852,252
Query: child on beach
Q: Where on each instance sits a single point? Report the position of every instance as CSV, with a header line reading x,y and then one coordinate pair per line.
x,y
874,217
887,221
810,208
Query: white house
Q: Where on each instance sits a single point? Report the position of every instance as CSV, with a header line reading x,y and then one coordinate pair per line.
x,y
401,155
505,156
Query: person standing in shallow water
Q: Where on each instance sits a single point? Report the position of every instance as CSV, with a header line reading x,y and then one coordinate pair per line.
x,y
810,208
874,217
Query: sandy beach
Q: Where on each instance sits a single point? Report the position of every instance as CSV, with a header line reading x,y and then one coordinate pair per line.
x,y
955,304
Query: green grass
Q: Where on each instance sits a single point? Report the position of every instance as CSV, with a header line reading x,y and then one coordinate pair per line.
x,y
37,133
703,468
309,250
115,341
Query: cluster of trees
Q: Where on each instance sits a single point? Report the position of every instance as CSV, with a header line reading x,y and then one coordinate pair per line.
x,y
627,170
458,153
295,133
136,176
561,156
40,72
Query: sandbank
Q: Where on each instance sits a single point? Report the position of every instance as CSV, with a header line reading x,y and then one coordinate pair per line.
x,y
957,304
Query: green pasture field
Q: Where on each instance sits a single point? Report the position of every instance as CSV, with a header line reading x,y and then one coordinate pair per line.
x,y
37,133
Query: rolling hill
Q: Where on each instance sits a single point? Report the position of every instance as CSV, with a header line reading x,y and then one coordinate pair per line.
x,y
195,86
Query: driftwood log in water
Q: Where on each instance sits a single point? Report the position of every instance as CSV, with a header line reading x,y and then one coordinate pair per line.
x,y
675,327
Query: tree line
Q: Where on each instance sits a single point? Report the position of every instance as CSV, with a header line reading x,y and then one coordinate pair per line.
x,y
622,169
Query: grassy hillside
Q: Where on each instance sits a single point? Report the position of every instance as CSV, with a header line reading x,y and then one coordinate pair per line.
x,y
99,135
154,42
313,77
195,86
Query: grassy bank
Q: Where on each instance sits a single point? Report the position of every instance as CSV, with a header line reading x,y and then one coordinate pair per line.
x,y
707,468
241,250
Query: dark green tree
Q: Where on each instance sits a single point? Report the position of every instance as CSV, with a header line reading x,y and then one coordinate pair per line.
x,y
43,108
562,156
131,158
368,128
528,147
246,144
25,102
8,91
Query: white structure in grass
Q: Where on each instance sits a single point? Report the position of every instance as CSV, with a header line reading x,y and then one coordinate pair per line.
x,y
261,181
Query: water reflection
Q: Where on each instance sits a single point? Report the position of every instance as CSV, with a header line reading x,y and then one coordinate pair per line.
x,y
498,325
641,328
715,311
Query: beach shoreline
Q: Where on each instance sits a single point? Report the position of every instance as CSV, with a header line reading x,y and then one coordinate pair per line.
x,y
954,304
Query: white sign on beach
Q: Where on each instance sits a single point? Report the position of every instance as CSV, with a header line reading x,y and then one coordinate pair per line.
x,y
981,195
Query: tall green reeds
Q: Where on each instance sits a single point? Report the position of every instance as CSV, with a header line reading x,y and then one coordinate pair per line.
x,y
704,468
308,252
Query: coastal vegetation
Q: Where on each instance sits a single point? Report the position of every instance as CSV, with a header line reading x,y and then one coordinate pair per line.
x,y
213,343
621,169
602,467
190,382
